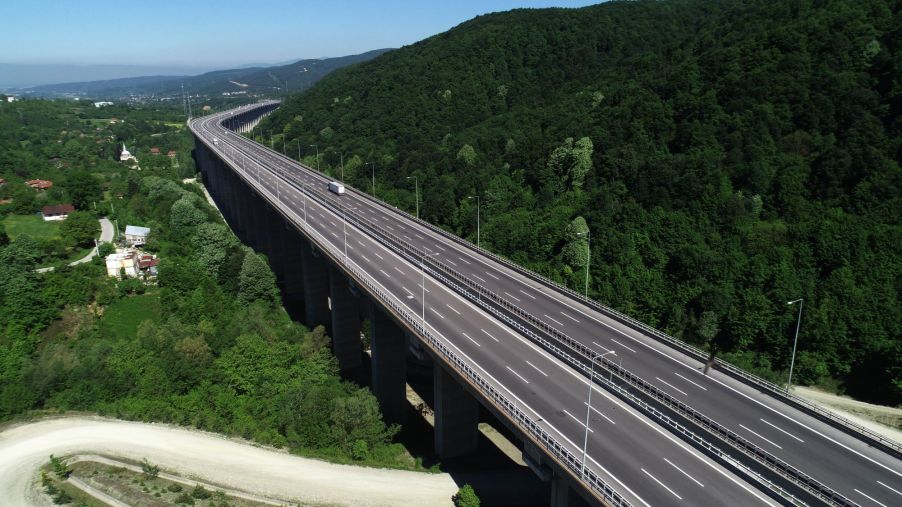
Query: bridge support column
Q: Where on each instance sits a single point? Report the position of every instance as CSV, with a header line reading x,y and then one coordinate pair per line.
x,y
389,365
346,344
316,287
456,416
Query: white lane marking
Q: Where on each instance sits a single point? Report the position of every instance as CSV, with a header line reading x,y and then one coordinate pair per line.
x,y
452,308
408,292
493,276
569,317
526,293
472,340
517,374
599,413
332,233
537,368
360,243
684,472
417,235
624,346
600,346
450,262
333,223
384,273
889,488
436,312
668,384
424,288
759,436
553,319
440,248
408,237
377,255
661,483
461,259
578,421
869,498
511,295
693,383
399,271
389,227
774,426
479,278
489,335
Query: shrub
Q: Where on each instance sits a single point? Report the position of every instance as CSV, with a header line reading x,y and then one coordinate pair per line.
x,y
466,497
184,499
59,468
200,492
149,470
174,488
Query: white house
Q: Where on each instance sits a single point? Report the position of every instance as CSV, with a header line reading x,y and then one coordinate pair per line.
x,y
122,260
136,236
56,212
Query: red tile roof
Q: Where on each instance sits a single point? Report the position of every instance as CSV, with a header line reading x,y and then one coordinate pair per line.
x,y
58,209
39,184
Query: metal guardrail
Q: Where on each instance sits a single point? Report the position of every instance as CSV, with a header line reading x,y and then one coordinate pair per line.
x,y
564,456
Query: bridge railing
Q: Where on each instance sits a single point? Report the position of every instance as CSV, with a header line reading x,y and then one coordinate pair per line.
x,y
562,453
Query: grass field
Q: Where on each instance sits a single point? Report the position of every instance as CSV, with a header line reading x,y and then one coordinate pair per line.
x,y
121,319
33,225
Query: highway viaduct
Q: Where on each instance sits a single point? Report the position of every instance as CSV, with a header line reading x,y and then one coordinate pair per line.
x,y
336,272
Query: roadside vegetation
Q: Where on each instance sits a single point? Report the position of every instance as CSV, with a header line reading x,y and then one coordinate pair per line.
x,y
207,345
726,157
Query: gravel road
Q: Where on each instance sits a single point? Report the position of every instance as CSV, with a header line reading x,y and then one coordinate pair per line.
x,y
209,457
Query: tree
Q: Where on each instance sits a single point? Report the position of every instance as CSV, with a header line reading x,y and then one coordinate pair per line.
x,y
183,216
467,154
80,228
83,188
575,251
256,281
213,242
466,497
4,238
572,161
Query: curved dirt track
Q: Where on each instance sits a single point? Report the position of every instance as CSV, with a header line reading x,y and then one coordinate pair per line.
x,y
210,457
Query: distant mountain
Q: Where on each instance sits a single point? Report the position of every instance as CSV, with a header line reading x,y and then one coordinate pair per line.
x,y
251,80
13,76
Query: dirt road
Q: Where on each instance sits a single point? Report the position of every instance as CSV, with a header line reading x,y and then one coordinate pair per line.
x,y
212,458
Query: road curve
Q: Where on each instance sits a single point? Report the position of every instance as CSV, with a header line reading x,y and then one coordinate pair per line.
x,y
209,457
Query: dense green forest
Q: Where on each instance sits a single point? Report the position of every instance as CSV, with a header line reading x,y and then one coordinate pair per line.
x,y
726,156
207,343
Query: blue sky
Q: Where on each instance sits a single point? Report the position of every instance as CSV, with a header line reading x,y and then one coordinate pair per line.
x,y
217,33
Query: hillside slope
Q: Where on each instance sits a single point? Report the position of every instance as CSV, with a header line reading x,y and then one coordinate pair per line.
x,y
253,80
727,157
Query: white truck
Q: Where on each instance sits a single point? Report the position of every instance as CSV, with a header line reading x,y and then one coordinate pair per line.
x,y
336,187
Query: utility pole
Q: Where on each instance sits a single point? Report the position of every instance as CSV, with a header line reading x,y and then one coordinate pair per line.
x,y
801,302
588,256
416,187
478,205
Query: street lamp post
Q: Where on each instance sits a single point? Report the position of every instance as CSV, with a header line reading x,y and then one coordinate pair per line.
x,y
595,356
588,236
373,164
416,187
478,205
341,156
801,302
317,155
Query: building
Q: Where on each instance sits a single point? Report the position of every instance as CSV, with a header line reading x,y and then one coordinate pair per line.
x,y
171,154
56,212
154,151
39,184
123,261
136,236
125,155
102,103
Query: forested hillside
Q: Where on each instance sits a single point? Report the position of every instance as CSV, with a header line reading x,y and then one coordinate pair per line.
x,y
726,156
